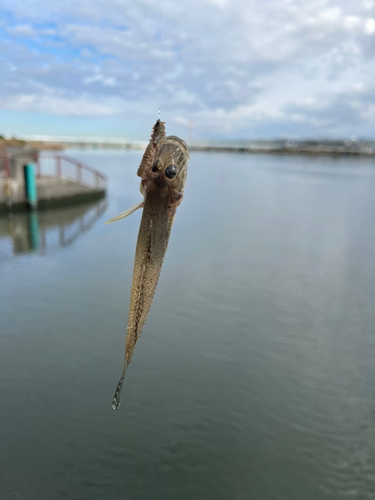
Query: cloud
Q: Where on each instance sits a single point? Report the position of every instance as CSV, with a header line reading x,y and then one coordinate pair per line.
x,y
239,68
370,26
25,30
60,105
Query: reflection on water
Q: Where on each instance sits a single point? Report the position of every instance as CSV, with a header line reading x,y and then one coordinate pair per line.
x,y
46,230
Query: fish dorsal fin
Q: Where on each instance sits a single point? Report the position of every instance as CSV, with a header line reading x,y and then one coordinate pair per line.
x,y
157,136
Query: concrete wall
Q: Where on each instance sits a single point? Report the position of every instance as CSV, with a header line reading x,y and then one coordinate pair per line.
x,y
19,158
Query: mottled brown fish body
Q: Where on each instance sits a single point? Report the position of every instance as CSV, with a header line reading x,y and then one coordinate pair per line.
x,y
152,244
163,182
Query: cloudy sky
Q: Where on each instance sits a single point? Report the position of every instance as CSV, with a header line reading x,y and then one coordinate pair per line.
x,y
219,68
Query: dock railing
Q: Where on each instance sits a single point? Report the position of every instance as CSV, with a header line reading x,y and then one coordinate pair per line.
x,y
5,164
62,166
5,173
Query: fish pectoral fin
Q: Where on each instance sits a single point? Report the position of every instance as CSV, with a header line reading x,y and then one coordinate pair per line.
x,y
127,212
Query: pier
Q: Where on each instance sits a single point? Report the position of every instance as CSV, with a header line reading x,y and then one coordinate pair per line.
x,y
29,178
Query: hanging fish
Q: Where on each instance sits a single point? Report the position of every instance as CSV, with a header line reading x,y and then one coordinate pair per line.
x,y
163,172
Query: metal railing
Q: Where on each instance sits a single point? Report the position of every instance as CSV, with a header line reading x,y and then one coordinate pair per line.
x,y
5,165
62,166
6,173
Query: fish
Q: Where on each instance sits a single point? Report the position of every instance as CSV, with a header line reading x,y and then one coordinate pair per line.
x,y
163,171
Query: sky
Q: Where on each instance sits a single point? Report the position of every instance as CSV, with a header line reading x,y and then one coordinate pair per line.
x,y
218,69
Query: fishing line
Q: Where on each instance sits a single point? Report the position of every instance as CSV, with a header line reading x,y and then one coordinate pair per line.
x,y
161,59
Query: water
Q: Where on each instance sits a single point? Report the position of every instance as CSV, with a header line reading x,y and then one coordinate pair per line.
x,y
254,376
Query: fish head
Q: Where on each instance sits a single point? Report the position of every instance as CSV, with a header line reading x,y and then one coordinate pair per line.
x,y
167,174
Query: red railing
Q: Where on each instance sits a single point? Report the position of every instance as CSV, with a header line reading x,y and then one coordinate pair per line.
x,y
5,172
63,166
5,165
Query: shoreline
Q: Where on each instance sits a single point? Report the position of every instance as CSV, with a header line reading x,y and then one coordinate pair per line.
x,y
282,147
285,151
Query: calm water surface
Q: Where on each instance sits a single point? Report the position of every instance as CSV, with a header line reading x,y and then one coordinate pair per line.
x,y
254,377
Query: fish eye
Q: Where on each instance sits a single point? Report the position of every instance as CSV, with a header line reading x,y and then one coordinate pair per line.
x,y
156,167
171,171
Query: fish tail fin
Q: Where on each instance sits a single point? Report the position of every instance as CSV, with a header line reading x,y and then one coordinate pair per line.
x,y
116,398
